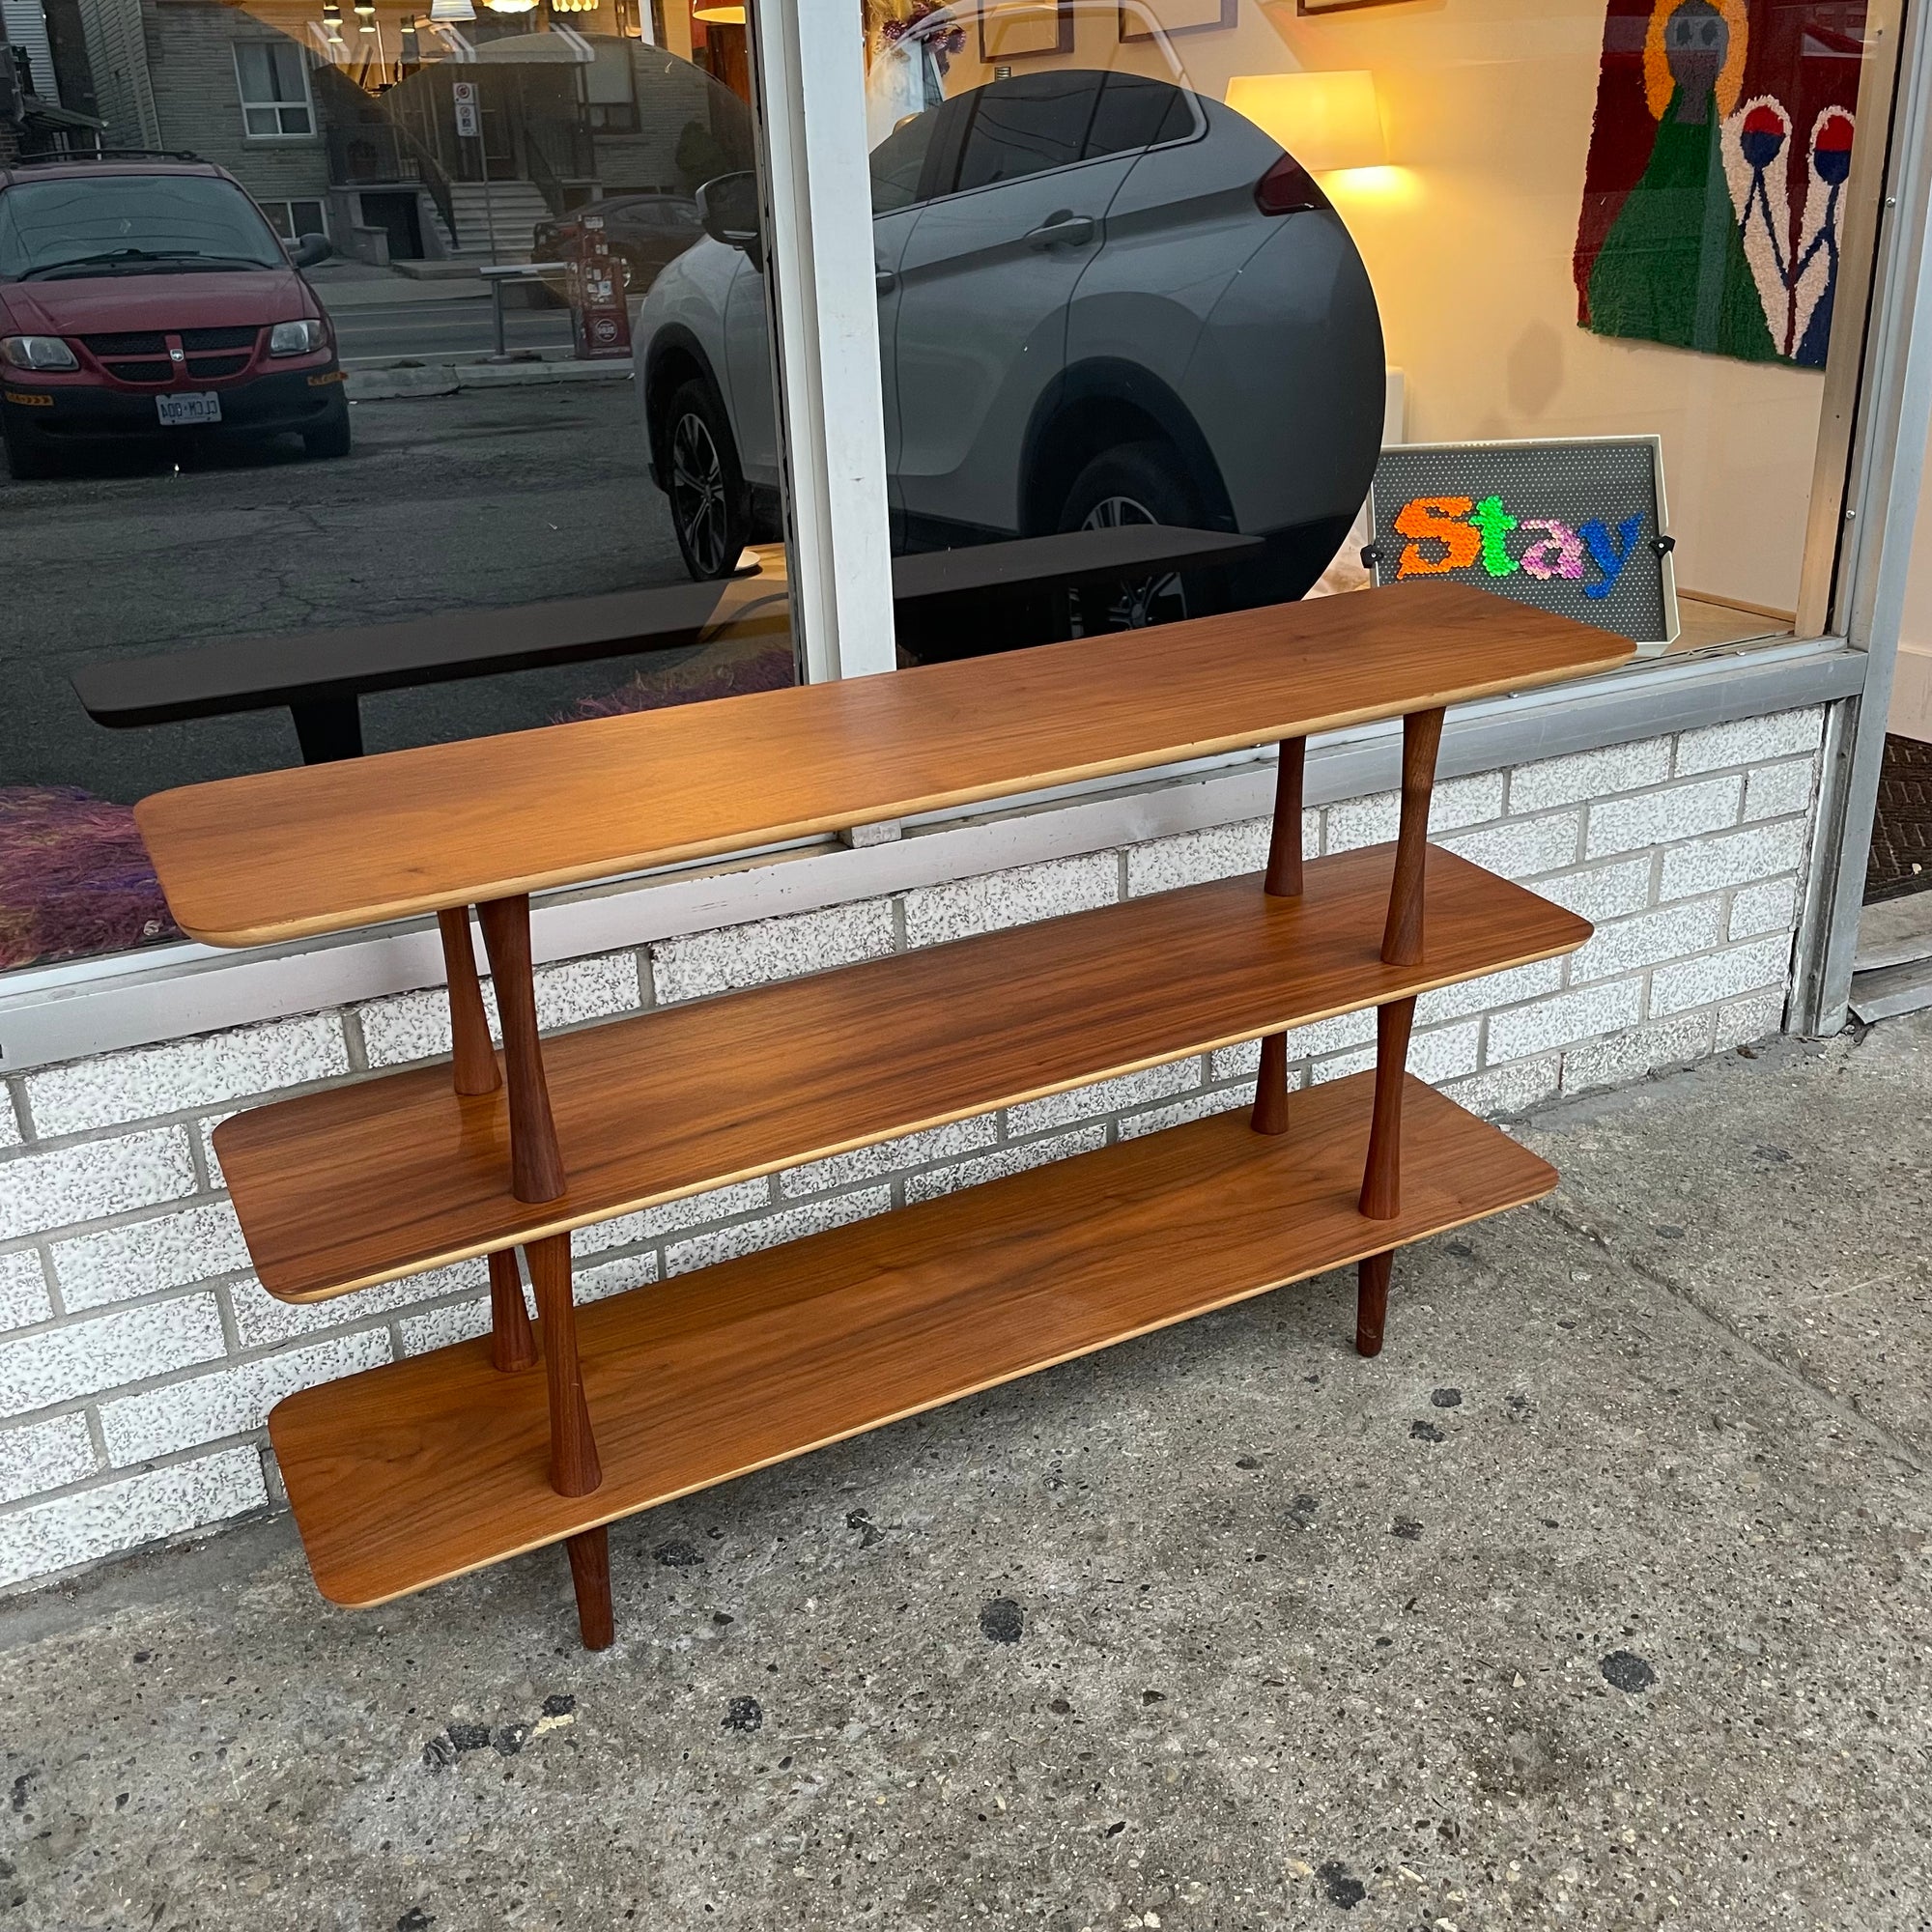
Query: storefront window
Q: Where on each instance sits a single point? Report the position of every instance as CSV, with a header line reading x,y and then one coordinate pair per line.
x,y
290,350
1194,261
250,264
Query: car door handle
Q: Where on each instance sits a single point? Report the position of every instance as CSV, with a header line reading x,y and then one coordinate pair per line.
x,y
1064,229
885,282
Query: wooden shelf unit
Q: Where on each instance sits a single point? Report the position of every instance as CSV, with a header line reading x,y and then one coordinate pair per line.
x,y
429,1467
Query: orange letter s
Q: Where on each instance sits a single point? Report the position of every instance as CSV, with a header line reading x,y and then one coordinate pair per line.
x,y
1439,519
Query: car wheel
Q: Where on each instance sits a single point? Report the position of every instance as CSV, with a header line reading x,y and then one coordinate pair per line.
x,y
28,456
707,491
1134,483
331,439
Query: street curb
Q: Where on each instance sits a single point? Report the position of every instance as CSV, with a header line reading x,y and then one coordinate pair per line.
x,y
446,378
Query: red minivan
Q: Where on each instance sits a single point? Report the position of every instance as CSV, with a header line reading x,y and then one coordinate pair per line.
x,y
147,296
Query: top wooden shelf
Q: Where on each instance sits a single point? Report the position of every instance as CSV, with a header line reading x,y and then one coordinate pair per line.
x,y
284,855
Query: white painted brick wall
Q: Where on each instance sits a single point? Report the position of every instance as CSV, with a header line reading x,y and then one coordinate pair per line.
x,y
138,1355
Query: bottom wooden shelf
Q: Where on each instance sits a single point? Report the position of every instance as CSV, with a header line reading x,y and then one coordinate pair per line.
x,y
404,1475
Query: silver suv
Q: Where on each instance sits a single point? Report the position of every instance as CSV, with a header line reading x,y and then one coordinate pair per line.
x,y
1103,299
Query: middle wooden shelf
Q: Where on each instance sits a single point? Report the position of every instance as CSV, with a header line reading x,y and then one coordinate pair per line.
x,y
362,1183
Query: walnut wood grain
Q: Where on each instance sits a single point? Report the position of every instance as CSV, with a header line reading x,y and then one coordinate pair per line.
x,y
511,1345
536,1164
434,1465
1381,1173
695,1095
283,855
1421,739
573,1466
1372,1301
473,1058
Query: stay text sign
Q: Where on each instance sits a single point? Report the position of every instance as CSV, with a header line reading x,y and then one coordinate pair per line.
x,y
1571,526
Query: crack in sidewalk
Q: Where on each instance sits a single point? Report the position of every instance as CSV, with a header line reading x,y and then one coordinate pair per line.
x,y
1848,1412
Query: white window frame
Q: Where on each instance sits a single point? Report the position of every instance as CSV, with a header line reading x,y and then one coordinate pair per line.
x,y
277,107
808,74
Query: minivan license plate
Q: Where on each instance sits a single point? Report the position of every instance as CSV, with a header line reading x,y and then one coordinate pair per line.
x,y
202,407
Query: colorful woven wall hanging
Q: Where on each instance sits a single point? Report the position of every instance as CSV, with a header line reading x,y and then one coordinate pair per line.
x,y
1713,199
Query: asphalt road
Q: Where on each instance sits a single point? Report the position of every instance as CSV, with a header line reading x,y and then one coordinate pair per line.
x,y
471,501
442,328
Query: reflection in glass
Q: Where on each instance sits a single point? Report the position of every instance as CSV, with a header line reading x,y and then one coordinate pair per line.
x,y
337,335
1064,266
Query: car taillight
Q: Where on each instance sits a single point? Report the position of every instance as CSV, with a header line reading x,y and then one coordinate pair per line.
x,y
1288,189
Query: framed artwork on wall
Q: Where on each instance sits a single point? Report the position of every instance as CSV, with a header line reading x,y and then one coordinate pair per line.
x,y
1342,6
1177,16
1024,29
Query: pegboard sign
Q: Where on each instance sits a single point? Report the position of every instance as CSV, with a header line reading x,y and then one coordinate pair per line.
x,y
1578,528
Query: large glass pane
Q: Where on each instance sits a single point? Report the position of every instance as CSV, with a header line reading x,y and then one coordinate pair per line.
x,y
1196,262
370,318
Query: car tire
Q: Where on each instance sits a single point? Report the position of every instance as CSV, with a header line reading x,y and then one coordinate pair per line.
x,y
331,439
1135,483
28,456
703,481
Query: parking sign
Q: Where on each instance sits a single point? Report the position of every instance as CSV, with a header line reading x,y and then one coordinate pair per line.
x,y
465,92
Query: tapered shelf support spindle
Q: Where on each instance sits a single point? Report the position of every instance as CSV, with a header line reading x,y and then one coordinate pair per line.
x,y
511,1345
1421,739
1382,1179
473,1059
1283,881
536,1164
574,1470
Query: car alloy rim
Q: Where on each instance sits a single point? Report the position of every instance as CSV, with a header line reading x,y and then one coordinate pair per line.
x,y
697,493
1154,599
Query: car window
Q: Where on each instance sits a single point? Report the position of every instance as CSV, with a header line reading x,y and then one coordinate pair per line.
x,y
131,224
1025,126
899,159
1135,111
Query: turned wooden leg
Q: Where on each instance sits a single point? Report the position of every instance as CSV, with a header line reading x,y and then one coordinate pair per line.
x,y
1271,1116
1284,873
590,1577
1283,882
1401,936
574,1468
473,1059
1372,1301
511,1345
1381,1178
536,1165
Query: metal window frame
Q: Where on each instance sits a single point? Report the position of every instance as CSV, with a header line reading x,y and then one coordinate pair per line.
x,y
809,86
1879,414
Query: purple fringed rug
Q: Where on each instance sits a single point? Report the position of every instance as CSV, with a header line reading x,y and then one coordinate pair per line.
x,y
75,878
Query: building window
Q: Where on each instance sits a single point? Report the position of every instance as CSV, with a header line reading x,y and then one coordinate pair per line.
x,y
272,78
293,220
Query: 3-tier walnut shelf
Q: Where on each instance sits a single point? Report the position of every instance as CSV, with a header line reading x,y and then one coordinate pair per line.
x,y
404,1475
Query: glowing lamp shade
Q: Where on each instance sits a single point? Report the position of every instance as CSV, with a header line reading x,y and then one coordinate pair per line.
x,y
511,6
725,14
451,11
1326,121
366,8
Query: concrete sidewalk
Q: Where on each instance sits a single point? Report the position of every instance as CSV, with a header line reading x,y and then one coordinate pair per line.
x,y
1600,1601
